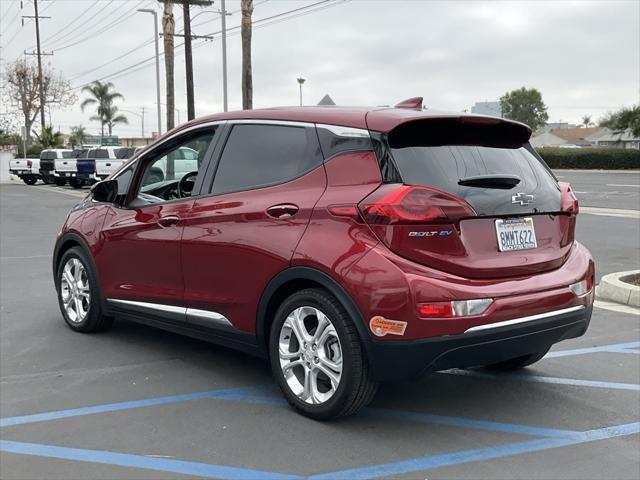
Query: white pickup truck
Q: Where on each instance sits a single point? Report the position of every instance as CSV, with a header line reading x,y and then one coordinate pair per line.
x,y
32,169
107,161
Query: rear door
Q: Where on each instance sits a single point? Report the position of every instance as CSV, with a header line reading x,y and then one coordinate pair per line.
x,y
507,216
268,178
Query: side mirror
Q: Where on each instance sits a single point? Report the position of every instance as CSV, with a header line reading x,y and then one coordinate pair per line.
x,y
105,191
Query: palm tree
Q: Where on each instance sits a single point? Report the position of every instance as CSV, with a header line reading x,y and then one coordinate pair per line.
x,y
111,117
102,95
78,135
586,121
168,28
245,32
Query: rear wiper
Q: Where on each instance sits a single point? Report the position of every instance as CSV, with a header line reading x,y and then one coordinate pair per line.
x,y
491,181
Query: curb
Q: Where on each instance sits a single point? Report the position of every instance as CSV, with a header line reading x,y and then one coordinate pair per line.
x,y
612,288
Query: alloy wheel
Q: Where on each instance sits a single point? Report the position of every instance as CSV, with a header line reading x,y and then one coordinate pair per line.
x,y
310,355
74,290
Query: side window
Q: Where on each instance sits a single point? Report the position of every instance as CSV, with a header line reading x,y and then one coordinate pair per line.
x,y
171,172
260,155
124,180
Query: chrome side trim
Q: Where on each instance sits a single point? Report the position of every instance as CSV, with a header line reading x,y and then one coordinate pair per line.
x,y
345,131
257,121
208,318
151,306
530,318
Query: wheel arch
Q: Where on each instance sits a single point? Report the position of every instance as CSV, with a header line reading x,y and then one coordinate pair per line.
x,y
295,279
66,242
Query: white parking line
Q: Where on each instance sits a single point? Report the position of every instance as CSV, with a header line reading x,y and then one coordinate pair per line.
x,y
611,212
616,307
79,194
621,185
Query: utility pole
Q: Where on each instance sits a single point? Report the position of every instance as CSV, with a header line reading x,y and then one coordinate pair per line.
x,y
37,18
223,12
142,122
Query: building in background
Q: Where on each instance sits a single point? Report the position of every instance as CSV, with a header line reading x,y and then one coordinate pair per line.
x,y
618,140
556,126
487,108
585,137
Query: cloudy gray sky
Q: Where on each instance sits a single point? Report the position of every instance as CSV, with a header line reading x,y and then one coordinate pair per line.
x,y
584,56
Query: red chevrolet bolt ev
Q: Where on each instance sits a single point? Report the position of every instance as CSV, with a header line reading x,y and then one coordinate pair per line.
x,y
349,246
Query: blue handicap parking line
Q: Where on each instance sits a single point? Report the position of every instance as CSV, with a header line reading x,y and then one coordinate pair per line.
x,y
628,347
140,461
430,462
543,379
230,394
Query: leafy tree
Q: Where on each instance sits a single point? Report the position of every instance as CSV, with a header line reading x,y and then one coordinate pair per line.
x,y
102,96
50,139
112,117
526,106
21,79
628,119
78,135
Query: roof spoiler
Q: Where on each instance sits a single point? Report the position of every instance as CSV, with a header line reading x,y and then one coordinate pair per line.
x,y
414,103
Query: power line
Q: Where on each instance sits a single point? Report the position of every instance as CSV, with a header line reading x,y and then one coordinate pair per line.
x,y
297,12
68,29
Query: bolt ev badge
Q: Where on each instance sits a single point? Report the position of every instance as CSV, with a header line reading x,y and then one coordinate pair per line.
x,y
522,198
432,233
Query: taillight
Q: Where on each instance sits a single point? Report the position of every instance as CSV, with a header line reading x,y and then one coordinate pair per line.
x,y
568,200
29,163
404,204
454,308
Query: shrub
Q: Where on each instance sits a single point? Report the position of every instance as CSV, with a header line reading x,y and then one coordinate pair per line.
x,y
595,158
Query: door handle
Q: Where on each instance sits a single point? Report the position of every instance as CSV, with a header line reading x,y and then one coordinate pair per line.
x,y
284,210
168,221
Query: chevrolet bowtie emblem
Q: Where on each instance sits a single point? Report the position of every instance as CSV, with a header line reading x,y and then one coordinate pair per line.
x,y
522,199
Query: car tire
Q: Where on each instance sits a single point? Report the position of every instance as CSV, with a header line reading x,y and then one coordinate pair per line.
x,y
76,182
61,182
30,180
516,363
337,344
48,180
78,293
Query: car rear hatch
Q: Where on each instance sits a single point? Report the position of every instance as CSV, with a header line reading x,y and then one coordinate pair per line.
x,y
476,200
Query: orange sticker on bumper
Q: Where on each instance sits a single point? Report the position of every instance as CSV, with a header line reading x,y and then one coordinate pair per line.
x,y
381,326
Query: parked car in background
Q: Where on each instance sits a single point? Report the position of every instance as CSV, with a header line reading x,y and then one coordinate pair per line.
x,y
47,163
107,161
348,246
65,169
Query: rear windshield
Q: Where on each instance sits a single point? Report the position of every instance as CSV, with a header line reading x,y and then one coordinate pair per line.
x,y
67,155
123,153
98,153
78,153
443,167
48,155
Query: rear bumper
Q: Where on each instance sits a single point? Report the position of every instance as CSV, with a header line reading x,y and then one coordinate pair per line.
x,y
401,360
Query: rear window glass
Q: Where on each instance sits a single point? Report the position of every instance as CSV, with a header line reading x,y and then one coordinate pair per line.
x,y
98,153
123,153
260,155
48,155
442,167
68,155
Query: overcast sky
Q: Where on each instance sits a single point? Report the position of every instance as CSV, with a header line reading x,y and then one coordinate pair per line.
x,y
584,56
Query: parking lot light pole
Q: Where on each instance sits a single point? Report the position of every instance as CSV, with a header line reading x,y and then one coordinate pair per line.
x,y
155,26
300,82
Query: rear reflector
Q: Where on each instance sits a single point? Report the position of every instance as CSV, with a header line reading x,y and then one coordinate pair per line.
x,y
29,163
455,308
350,211
404,204
581,288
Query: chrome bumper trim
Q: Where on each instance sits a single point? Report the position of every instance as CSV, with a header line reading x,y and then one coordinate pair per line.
x,y
530,318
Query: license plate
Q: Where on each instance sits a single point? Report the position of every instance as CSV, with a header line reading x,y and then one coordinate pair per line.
x,y
515,234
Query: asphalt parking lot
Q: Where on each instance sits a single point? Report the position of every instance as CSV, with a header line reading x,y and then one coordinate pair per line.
x,y
136,402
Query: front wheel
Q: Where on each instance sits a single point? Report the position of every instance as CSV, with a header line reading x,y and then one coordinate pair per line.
x,y
78,293
317,357
60,181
